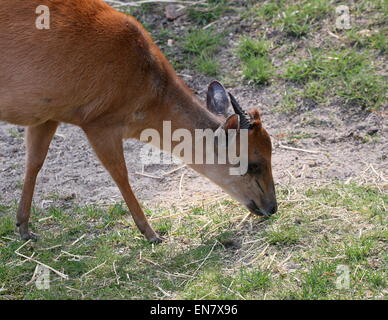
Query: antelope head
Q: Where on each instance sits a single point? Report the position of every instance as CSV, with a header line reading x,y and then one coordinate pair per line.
x,y
254,188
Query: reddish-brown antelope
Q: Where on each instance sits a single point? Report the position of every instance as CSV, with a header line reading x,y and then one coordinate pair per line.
x,y
99,69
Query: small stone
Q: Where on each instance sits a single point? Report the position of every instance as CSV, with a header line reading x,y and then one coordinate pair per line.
x,y
313,164
372,131
173,12
291,267
69,197
361,127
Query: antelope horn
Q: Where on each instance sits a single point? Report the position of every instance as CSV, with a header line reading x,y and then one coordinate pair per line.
x,y
245,120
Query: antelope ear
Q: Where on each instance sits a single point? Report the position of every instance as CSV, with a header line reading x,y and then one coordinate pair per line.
x,y
217,99
255,115
233,122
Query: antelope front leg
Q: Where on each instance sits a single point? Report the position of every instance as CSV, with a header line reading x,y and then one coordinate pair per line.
x,y
109,148
38,140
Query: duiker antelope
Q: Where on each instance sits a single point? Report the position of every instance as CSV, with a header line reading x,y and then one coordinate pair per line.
x,y
99,69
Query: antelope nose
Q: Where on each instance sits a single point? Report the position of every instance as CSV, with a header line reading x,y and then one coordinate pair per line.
x,y
273,208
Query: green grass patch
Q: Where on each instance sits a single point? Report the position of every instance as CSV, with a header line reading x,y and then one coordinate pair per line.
x,y
258,70
256,65
318,282
358,250
299,19
366,90
289,102
346,73
376,39
208,65
253,280
202,41
315,90
7,224
286,235
269,10
250,48
205,14
202,47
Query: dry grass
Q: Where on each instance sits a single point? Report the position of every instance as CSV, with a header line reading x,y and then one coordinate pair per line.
x,y
214,251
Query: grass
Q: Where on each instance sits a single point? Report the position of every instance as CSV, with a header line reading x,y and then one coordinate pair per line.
x,y
365,90
258,70
318,281
204,15
299,19
289,102
199,46
358,250
203,45
202,41
335,64
208,65
269,10
314,90
285,236
250,48
346,73
256,64
375,39
210,251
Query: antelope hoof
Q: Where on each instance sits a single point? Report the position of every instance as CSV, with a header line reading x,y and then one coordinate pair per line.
x,y
156,239
25,234
29,236
152,236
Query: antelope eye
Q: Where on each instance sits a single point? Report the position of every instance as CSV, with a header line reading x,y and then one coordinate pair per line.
x,y
253,168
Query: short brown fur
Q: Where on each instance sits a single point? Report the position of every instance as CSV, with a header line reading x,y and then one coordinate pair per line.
x,y
97,69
